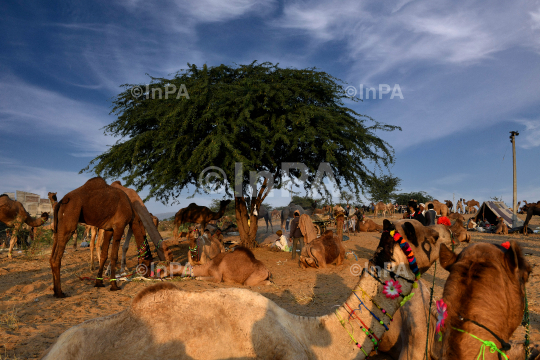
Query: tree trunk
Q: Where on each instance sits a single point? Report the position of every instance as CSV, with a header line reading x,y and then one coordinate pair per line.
x,y
248,233
339,223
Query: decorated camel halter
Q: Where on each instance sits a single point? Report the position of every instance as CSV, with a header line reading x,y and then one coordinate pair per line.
x,y
144,250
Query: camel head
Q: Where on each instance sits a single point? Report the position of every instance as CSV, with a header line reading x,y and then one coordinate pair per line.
x,y
459,233
486,283
423,241
45,216
52,196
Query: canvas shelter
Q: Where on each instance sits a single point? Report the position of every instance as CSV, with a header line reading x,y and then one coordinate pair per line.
x,y
491,210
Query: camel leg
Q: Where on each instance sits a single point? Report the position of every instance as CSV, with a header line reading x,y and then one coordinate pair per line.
x,y
61,238
104,252
93,239
12,243
125,250
114,258
259,277
271,226
75,239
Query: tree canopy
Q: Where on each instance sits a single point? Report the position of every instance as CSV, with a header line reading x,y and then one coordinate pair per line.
x,y
259,115
383,188
420,196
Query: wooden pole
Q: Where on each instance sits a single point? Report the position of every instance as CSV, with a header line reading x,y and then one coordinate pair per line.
x,y
514,203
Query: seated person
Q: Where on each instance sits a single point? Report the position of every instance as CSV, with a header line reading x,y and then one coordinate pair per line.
x,y
282,242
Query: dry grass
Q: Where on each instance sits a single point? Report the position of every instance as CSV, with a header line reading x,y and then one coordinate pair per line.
x,y
304,298
7,357
9,319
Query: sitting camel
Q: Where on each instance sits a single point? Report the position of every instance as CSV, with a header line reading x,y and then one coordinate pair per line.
x,y
203,248
455,216
14,215
501,229
97,204
459,233
238,267
240,323
323,251
469,284
367,225
531,209
198,215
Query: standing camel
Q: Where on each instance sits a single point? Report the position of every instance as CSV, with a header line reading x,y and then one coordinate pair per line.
x,y
276,214
13,214
391,209
380,207
450,205
106,207
197,214
240,323
459,207
471,205
439,207
53,199
263,213
531,209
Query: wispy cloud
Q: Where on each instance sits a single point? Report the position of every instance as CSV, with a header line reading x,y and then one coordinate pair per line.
x,y
532,133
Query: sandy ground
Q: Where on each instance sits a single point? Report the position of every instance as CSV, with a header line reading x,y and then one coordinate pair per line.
x,y
32,319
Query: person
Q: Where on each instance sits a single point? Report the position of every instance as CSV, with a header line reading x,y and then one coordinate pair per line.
x,y
422,208
350,214
431,215
281,242
416,213
296,234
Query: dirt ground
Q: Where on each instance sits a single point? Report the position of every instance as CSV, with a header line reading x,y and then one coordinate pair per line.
x,y
31,319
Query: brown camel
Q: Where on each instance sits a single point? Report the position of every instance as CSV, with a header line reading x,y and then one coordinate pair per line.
x,y
391,209
455,216
238,267
484,280
406,339
449,204
382,208
531,209
275,214
54,201
323,251
203,248
13,214
501,229
459,233
106,207
367,225
198,215
471,205
439,207
242,324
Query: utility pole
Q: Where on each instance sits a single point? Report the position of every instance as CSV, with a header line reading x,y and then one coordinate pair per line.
x,y
513,135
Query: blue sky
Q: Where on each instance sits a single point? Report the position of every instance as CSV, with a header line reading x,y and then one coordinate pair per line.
x,y
469,73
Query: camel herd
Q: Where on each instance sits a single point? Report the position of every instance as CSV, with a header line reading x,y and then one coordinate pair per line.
x,y
484,279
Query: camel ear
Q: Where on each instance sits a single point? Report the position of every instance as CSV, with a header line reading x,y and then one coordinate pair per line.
x,y
516,262
410,232
446,257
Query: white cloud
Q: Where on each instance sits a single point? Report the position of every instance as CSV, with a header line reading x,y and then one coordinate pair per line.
x,y
531,134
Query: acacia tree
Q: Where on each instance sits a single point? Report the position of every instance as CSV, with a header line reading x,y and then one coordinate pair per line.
x,y
383,188
241,119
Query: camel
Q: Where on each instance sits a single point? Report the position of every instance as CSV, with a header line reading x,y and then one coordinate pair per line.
x,y
327,209
501,229
449,205
459,232
459,207
97,204
323,251
288,212
14,215
367,225
203,248
198,215
276,214
531,209
243,324
439,207
406,339
264,214
455,216
471,205
471,224
238,266
380,207
391,209
53,199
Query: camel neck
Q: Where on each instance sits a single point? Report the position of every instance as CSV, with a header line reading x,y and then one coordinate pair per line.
x,y
332,334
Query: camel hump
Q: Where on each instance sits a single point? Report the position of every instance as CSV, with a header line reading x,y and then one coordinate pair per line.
x,y
246,251
95,184
152,290
3,195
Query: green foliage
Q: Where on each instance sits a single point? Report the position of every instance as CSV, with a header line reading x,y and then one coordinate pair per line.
x,y
495,198
420,196
215,206
305,202
346,197
383,188
258,114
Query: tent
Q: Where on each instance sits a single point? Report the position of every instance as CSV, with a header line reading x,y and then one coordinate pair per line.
x,y
491,210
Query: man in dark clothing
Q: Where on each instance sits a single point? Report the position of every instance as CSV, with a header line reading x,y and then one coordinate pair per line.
x,y
431,216
416,213
296,234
